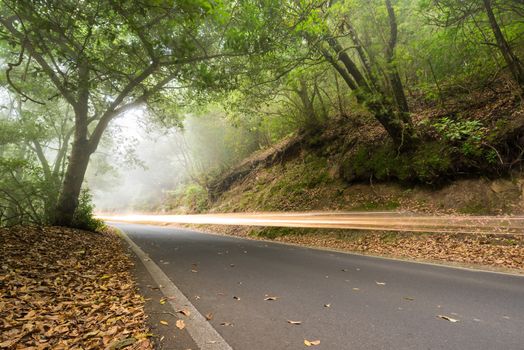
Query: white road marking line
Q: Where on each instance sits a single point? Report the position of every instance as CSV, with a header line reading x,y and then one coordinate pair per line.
x,y
204,335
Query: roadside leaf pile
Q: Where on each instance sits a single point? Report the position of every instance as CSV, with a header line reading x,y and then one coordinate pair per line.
x,y
506,252
62,288
488,250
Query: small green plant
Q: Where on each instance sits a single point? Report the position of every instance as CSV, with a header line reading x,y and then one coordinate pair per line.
x,y
468,133
194,197
83,218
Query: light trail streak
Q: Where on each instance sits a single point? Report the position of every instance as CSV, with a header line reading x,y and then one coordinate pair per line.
x,y
376,221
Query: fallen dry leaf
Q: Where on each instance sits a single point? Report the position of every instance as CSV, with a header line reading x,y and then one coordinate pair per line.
x,y
226,324
447,318
296,323
311,342
180,324
236,298
165,323
270,298
380,283
184,312
209,316
327,305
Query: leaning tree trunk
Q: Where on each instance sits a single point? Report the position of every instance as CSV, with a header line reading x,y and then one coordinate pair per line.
x,y
514,65
72,185
398,127
392,71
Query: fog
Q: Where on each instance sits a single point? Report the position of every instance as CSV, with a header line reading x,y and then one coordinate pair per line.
x,y
139,164
134,166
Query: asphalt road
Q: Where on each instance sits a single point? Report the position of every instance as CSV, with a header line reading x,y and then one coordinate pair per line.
x,y
346,301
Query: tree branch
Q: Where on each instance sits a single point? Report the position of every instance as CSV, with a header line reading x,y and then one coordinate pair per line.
x,y
25,42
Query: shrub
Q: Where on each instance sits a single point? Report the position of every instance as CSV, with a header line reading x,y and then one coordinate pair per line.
x,y
467,134
83,218
196,198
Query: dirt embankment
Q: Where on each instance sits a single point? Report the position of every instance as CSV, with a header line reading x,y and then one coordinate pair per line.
x,y
469,161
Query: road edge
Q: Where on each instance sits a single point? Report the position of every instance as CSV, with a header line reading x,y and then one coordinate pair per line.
x,y
204,335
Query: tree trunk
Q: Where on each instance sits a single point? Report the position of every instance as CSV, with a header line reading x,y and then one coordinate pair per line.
x,y
511,59
394,77
73,179
308,108
398,127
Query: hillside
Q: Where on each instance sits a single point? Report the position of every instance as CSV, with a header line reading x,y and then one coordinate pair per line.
x,y
468,162
350,166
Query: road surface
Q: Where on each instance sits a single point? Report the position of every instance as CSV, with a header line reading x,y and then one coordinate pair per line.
x,y
346,301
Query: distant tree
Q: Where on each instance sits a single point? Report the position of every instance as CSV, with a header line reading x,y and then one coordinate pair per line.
x,y
457,13
33,150
332,24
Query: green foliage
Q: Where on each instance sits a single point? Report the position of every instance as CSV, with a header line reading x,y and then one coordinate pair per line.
x,y
427,164
245,74
468,135
83,218
191,197
275,232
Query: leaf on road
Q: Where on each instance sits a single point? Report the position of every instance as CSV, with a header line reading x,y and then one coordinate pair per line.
x,y
409,298
447,318
344,270
356,288
327,305
163,301
180,324
236,298
209,316
226,324
165,323
194,271
184,312
296,323
380,283
311,342
270,298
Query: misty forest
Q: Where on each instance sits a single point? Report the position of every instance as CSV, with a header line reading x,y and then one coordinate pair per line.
x,y
205,143
144,105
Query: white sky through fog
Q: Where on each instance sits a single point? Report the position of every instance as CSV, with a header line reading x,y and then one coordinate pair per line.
x,y
135,185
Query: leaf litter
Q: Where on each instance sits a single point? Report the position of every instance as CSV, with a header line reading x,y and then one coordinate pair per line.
x,y
64,288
